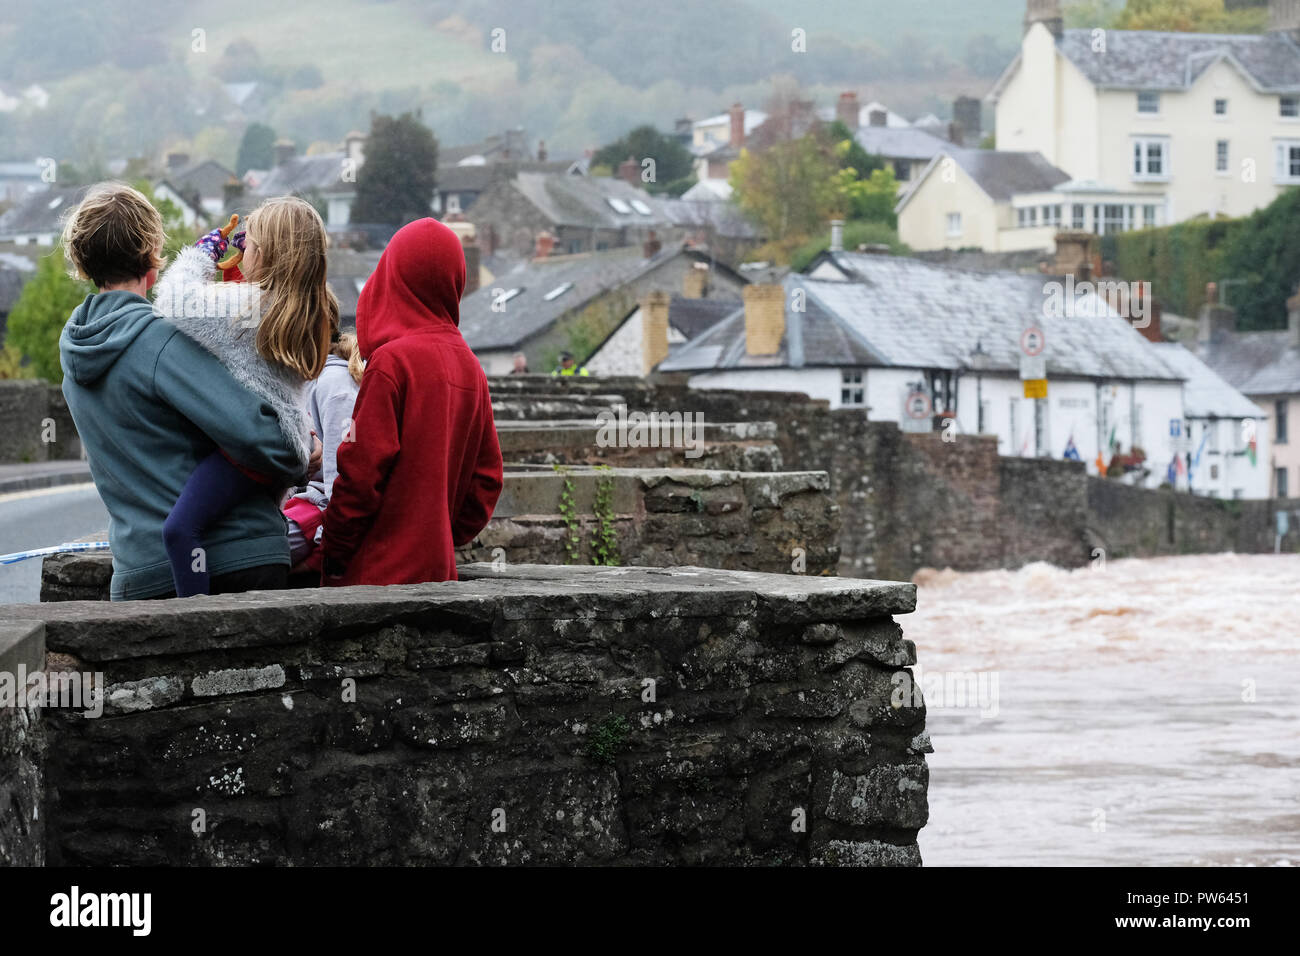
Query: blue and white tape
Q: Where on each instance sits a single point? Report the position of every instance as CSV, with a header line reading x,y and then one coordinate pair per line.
x,y
57,549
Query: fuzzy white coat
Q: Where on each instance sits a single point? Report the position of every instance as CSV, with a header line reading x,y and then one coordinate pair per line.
x,y
222,317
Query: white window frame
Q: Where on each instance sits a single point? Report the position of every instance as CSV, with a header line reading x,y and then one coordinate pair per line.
x,y
1079,215
954,225
1027,217
1285,161
1140,150
853,389
1148,94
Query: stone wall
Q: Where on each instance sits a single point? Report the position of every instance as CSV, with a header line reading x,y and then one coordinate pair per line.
x,y
35,424
22,748
535,715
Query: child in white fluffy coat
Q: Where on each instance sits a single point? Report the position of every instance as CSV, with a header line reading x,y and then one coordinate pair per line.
x,y
273,334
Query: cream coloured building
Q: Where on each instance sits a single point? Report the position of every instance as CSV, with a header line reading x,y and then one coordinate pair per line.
x,y
1196,123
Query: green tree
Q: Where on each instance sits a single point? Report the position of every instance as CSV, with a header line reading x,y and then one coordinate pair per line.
x,y
396,183
790,189
256,149
1190,16
871,199
850,152
672,161
41,312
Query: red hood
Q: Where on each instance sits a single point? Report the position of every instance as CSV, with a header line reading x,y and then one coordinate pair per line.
x,y
416,286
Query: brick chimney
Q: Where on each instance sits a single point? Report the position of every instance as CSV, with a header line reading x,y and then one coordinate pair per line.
x,y
737,139
1216,322
878,118
177,161
545,243
695,283
1046,12
847,110
1074,255
1284,16
764,318
472,262
1152,332
283,151
650,248
541,150
654,330
630,172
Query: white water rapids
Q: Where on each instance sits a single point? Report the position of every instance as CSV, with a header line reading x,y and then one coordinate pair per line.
x,y
1147,712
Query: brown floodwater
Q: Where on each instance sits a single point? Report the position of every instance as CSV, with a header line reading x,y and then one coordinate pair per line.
x,y
1139,712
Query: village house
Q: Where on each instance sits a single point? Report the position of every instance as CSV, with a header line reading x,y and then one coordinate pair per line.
x,y
38,219
1193,123
718,140
200,190
1265,367
661,324
18,180
330,177
554,302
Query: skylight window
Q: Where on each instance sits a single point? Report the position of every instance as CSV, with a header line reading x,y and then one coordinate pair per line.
x,y
558,291
54,203
641,207
620,207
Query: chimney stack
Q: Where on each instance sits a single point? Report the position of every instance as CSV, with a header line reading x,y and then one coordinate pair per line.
x,y
284,150
1284,16
654,330
764,318
695,283
630,172
177,161
837,235
878,118
1074,255
472,260
1152,332
967,114
650,248
847,110
1046,12
544,244
737,126
354,145
1216,322
541,150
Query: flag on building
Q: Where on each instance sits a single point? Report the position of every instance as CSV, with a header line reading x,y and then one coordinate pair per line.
x,y
1252,451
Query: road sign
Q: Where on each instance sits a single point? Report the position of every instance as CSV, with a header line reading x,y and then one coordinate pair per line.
x,y
1035,387
1033,341
917,405
1175,428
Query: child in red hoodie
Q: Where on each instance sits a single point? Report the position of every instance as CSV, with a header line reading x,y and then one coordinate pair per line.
x,y
421,470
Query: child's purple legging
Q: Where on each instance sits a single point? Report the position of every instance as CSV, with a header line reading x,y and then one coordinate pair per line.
x,y
214,487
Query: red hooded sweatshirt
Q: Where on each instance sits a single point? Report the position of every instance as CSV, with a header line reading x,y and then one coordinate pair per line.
x,y
423,471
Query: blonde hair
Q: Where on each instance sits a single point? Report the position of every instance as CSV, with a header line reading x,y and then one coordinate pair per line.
x,y
114,235
346,348
299,307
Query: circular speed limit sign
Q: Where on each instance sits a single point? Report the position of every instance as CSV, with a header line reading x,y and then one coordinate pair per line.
x,y
917,405
1033,341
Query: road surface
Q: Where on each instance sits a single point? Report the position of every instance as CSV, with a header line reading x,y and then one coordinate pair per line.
x,y
39,519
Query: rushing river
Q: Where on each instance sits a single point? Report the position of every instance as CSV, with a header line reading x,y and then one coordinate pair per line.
x,y
1144,712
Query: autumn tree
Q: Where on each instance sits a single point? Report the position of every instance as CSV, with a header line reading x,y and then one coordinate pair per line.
x,y
396,183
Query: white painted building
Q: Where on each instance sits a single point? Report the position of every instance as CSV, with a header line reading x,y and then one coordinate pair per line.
x,y
1198,123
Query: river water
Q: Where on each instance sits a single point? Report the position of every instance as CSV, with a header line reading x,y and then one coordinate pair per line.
x,y
1139,712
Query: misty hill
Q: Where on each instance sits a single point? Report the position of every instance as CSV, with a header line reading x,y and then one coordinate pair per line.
x,y
133,79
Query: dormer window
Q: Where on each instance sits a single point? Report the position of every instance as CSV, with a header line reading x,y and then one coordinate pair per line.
x,y
1148,102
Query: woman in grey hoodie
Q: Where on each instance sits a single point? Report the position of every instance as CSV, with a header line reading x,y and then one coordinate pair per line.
x,y
329,403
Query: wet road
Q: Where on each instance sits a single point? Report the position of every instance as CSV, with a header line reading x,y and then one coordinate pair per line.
x,y
38,519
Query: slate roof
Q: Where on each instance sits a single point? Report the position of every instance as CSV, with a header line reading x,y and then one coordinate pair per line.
x,y
1255,363
1205,393
905,313
1000,174
464,178
694,317
1151,60
529,313
582,201
905,143
209,177
41,212
723,217
344,268
304,173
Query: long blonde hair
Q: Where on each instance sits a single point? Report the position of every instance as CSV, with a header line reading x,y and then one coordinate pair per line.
x,y
346,348
300,309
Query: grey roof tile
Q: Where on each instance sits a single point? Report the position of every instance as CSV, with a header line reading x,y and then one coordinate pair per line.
x,y
1255,363
1205,393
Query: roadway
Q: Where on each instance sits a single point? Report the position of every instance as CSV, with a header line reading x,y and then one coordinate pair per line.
x,y
40,519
